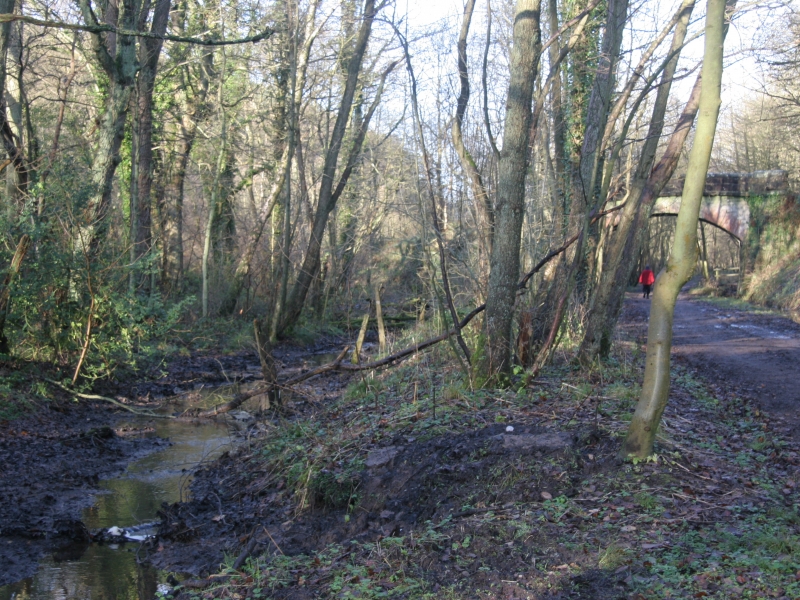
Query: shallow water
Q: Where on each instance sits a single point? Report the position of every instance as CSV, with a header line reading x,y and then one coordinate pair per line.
x,y
109,572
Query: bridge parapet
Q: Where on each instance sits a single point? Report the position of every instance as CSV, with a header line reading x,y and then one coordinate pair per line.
x,y
737,185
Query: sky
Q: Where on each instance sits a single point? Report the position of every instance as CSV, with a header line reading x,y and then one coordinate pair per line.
x,y
741,76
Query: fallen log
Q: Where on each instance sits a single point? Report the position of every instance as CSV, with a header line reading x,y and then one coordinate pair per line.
x,y
337,364
141,413
240,398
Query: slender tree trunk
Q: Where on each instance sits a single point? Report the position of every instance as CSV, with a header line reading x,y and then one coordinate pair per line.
x,y
681,263
327,195
486,210
192,108
149,52
602,316
510,205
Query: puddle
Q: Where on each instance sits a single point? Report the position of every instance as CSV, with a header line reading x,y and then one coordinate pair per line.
x,y
761,332
110,572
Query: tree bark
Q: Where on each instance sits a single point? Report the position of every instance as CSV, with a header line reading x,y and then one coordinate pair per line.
x,y
149,52
603,313
327,195
191,111
11,142
467,161
655,389
510,205
116,54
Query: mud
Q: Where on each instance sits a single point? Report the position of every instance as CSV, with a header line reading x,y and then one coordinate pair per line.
x,y
50,465
404,485
52,461
755,355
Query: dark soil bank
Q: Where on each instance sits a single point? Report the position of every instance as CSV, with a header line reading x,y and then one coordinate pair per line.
x,y
49,467
403,486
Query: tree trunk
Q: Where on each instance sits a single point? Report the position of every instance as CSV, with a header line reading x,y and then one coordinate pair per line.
x,y
327,195
681,263
553,297
117,56
482,199
603,313
149,52
11,142
191,111
629,237
510,205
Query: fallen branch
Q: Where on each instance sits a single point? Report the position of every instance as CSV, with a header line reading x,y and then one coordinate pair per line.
x,y
141,413
337,365
240,398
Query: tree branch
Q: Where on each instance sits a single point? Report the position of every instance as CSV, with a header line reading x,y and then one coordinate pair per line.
x,y
10,18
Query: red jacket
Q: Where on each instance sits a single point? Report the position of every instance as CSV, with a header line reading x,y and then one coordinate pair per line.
x,y
647,277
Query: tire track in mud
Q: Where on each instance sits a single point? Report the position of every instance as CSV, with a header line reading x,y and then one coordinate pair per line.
x,y
755,354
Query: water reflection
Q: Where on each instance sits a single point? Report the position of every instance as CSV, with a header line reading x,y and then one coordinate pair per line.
x,y
82,571
100,573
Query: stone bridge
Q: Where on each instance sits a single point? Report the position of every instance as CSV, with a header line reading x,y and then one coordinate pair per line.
x,y
725,197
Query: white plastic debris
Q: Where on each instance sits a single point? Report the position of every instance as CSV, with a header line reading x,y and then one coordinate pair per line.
x,y
509,429
116,531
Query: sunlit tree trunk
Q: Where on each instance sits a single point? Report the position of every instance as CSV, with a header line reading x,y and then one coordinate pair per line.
x,y
479,191
603,313
117,56
18,175
510,204
328,196
682,260
191,95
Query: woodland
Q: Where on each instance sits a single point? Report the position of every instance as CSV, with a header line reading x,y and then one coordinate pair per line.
x,y
467,194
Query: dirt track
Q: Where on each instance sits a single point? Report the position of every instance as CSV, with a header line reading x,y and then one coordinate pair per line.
x,y
756,354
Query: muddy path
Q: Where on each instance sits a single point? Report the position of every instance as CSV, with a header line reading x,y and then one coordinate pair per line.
x,y
756,355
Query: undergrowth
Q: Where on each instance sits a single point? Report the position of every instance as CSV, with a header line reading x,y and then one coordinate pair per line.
x,y
713,514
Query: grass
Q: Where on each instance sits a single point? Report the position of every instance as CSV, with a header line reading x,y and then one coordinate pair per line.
x,y
710,517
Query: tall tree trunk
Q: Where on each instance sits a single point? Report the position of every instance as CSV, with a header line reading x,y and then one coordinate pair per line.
x,y
191,109
117,56
553,297
149,52
629,237
486,210
11,142
510,205
682,260
602,316
327,194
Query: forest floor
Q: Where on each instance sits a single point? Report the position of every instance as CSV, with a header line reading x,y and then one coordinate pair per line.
x,y
518,493
407,484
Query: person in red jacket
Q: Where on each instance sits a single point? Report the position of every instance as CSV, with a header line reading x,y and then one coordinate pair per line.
x,y
647,279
